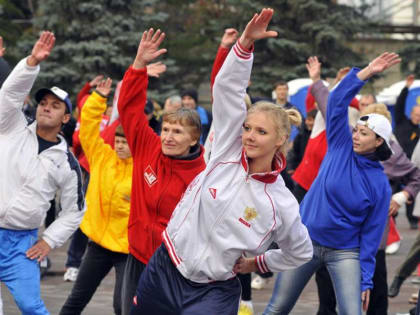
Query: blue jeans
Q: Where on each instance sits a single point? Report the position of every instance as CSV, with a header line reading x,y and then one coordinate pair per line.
x,y
19,273
344,268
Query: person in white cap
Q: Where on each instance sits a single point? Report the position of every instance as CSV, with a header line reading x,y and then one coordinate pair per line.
x,y
346,208
35,163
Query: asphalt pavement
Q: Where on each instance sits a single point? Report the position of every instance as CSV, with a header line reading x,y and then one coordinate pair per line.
x,y
55,290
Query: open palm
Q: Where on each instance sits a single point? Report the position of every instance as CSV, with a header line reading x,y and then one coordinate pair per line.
x,y
148,49
104,87
257,27
383,62
43,46
314,68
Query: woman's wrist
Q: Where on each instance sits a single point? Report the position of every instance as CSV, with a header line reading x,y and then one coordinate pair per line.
x,y
246,42
32,61
139,64
365,73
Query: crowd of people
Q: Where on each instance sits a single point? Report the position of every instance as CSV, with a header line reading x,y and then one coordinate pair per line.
x,y
186,203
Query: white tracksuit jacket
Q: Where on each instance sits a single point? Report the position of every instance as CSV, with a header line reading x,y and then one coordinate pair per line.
x,y
225,212
28,180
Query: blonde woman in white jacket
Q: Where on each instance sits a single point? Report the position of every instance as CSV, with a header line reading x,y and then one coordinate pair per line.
x,y
235,208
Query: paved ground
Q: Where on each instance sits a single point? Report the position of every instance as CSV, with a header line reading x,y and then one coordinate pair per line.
x,y
55,290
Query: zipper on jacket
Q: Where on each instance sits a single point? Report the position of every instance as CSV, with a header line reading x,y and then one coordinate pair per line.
x,y
159,202
216,223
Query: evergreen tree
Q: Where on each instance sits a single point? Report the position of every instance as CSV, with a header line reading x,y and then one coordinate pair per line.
x,y
102,37
99,37
410,63
14,20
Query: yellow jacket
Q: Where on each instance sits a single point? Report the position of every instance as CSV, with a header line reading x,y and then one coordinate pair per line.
x,y
108,195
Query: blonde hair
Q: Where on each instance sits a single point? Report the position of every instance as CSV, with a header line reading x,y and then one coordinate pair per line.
x,y
282,118
185,117
377,108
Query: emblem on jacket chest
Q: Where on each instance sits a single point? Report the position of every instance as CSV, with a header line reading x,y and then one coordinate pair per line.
x,y
249,215
150,176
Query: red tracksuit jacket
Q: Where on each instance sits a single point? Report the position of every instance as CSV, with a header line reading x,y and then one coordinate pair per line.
x,y
158,180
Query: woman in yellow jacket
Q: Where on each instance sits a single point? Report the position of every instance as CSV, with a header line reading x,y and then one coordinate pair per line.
x,y
108,205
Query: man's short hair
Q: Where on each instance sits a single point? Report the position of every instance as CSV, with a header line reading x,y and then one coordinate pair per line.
x,y
119,131
280,83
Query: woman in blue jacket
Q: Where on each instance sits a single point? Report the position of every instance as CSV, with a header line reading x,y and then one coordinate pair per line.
x,y
346,208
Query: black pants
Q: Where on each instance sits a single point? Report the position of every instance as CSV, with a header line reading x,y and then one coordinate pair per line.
x,y
95,266
132,273
378,304
76,249
327,301
411,260
409,213
245,280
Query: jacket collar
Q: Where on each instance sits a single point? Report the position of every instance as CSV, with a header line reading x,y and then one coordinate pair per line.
x,y
279,164
183,163
62,146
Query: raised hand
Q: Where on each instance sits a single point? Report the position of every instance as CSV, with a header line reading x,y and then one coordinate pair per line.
x,y
314,68
378,65
155,69
42,48
104,87
96,80
229,37
409,80
257,28
149,48
383,62
342,73
2,49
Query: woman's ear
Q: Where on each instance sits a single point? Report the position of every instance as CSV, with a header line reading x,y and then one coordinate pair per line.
x,y
282,140
379,142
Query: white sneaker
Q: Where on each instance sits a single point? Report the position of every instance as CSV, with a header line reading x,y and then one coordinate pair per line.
x,y
393,248
71,274
259,283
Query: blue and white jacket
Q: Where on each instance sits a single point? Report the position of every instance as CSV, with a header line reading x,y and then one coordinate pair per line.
x,y
226,212
347,204
28,180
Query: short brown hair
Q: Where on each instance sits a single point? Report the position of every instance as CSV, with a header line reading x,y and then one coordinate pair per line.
x,y
119,131
278,83
187,118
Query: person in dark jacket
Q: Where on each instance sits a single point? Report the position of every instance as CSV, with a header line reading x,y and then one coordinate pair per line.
x,y
190,101
407,132
4,66
300,142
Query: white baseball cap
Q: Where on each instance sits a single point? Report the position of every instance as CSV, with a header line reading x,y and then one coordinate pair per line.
x,y
379,125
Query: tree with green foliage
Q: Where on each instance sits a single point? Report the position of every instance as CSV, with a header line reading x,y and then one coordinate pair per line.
x,y
102,36
410,56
